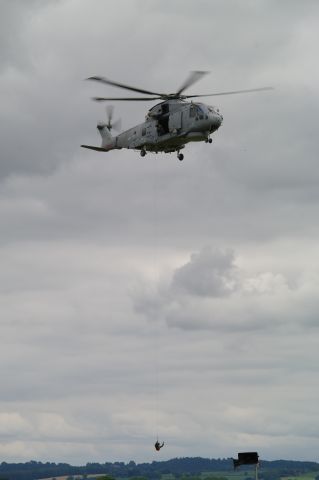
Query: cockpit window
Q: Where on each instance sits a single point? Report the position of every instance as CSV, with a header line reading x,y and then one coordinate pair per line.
x,y
192,111
200,113
196,111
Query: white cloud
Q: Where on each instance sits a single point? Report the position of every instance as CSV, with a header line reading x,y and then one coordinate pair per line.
x,y
13,423
265,283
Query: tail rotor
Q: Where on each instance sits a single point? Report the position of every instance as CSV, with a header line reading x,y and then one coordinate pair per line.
x,y
115,125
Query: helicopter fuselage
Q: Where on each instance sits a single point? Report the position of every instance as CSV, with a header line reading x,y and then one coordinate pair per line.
x,y
168,127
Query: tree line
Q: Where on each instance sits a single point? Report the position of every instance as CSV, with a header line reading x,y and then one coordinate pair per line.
x,y
182,468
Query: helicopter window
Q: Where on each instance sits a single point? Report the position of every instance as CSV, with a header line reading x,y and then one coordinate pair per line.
x,y
165,108
200,113
143,132
192,111
196,111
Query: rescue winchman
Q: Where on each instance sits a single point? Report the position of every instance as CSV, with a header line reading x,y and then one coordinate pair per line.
x,y
158,446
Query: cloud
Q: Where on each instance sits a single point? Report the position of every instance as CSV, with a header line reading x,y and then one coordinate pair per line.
x,y
15,20
13,423
209,274
208,292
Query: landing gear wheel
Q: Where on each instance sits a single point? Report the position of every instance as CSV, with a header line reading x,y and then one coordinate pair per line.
x,y
210,140
180,156
143,152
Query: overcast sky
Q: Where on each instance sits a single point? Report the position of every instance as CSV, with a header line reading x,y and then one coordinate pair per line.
x,y
145,296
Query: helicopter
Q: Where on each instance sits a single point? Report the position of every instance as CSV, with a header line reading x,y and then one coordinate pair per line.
x,y
169,125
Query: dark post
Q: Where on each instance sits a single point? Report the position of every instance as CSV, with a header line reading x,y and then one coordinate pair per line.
x,y
247,458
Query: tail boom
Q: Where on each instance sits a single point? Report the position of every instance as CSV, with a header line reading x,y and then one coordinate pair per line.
x,y
91,147
108,142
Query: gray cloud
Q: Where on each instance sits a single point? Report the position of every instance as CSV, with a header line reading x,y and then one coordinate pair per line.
x,y
208,273
198,297
16,16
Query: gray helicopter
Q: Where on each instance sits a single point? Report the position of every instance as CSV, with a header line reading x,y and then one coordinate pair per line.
x,y
169,125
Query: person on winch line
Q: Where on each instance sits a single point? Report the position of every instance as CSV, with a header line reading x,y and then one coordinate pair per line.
x,y
158,446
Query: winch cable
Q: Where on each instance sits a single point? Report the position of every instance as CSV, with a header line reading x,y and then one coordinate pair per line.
x,y
155,268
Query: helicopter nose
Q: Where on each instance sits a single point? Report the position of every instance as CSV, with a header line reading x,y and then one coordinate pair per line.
x,y
216,121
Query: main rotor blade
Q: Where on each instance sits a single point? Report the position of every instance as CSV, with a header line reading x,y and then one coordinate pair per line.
x,y
192,78
129,99
230,93
121,85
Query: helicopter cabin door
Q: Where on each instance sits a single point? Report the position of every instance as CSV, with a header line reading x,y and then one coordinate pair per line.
x,y
175,121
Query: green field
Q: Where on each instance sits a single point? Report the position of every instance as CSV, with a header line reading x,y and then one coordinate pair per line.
x,y
231,475
243,474
304,476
